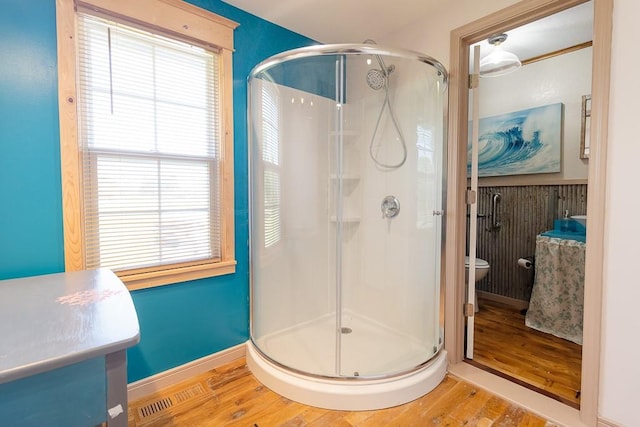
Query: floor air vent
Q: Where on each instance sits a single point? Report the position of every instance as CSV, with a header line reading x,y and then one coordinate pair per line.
x,y
154,407
188,393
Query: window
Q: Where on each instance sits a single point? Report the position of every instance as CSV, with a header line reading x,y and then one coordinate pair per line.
x,y
146,146
271,164
426,175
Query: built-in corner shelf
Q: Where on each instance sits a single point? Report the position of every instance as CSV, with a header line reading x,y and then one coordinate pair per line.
x,y
349,182
348,133
346,177
346,219
345,185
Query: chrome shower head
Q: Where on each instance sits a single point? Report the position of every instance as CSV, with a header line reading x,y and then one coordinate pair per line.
x,y
376,79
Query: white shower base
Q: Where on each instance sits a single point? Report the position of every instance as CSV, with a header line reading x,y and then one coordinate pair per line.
x,y
371,349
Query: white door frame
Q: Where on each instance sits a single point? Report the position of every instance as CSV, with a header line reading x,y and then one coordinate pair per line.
x,y
461,38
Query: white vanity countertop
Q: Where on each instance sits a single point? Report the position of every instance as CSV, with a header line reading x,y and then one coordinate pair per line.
x,y
55,320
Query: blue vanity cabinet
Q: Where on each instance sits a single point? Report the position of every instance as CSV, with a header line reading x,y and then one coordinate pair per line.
x,y
63,341
69,396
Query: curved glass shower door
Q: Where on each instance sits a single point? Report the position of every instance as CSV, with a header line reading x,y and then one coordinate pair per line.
x,y
346,163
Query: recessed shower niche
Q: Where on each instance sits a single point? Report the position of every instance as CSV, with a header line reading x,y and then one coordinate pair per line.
x,y
347,148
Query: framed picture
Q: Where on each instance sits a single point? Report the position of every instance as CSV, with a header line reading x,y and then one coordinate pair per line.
x,y
522,142
585,127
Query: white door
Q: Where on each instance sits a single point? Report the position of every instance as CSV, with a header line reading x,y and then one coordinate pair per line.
x,y
472,201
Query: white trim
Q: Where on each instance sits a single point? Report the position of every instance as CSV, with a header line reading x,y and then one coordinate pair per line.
x,y
550,409
146,386
603,422
526,180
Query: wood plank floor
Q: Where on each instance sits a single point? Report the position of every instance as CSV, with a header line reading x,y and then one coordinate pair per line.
x,y
231,396
542,362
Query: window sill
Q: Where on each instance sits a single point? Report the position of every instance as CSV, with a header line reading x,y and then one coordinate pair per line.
x,y
150,279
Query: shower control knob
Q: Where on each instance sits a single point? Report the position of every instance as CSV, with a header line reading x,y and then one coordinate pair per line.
x,y
390,207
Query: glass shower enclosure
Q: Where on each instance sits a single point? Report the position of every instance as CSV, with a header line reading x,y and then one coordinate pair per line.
x,y
347,146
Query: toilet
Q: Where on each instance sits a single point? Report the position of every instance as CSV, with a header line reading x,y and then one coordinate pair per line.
x,y
482,268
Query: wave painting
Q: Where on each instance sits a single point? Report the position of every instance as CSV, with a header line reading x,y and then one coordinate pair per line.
x,y
522,142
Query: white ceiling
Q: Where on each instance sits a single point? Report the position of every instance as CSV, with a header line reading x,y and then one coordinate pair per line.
x,y
564,29
353,21
339,21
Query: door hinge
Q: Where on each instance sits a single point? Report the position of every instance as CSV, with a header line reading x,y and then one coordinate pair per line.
x,y
471,197
473,81
469,310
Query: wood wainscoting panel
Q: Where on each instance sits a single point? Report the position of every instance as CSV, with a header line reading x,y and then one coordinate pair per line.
x,y
523,213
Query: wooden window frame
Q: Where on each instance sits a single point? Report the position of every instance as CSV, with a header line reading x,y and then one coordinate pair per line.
x,y
179,20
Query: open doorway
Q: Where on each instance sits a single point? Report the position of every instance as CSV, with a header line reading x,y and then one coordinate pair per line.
x,y
532,182
461,38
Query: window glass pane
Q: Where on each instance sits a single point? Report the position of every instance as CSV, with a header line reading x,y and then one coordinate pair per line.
x,y
185,236
271,208
270,132
119,122
127,240
185,185
271,158
126,184
195,75
151,209
149,133
131,64
184,130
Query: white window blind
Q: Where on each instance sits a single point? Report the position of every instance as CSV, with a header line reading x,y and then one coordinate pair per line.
x,y
271,163
150,143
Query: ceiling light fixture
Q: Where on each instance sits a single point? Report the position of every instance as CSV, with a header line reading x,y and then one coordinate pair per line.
x,y
499,62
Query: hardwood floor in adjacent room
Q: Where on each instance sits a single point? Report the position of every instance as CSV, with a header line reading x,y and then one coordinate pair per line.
x,y
504,346
231,396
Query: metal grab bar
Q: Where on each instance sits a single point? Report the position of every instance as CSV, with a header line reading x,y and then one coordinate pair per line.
x,y
495,222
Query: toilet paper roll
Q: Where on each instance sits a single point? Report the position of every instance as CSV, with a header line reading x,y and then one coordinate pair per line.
x,y
525,263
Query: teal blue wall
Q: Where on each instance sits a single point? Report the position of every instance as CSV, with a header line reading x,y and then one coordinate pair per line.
x,y
30,194
178,323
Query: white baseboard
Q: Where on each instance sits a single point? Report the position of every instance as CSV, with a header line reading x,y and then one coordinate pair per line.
x,y
519,304
603,422
146,386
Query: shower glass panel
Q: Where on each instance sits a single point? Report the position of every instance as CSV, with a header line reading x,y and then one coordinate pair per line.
x,y
346,195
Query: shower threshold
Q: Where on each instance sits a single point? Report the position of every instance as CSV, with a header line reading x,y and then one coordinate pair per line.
x,y
349,394
380,366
